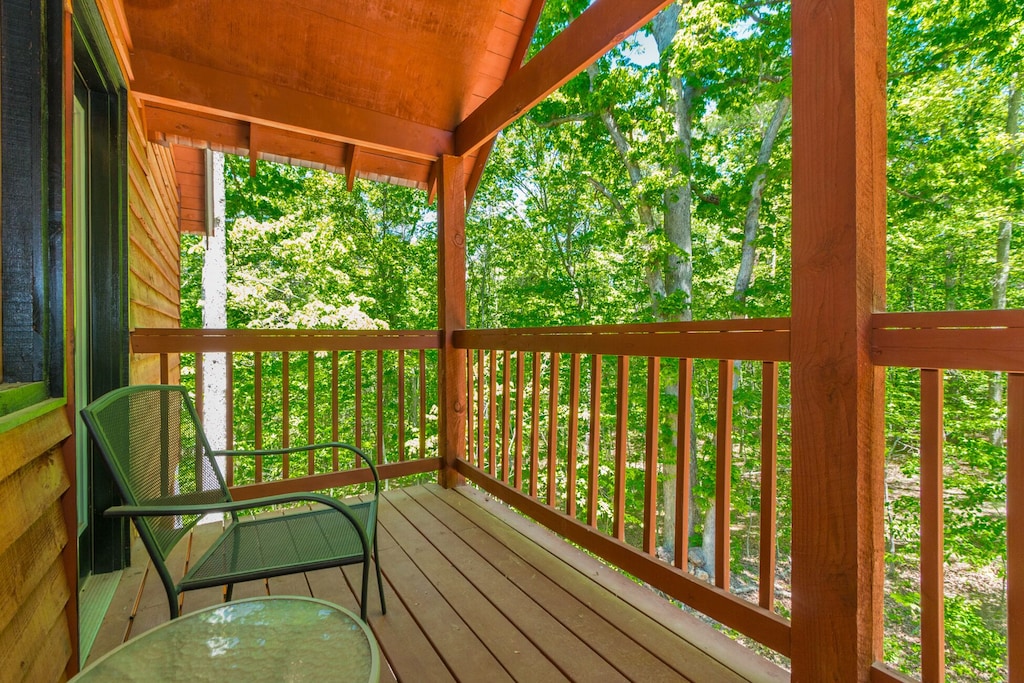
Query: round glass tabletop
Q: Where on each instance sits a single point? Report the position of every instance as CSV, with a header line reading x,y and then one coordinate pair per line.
x,y
280,638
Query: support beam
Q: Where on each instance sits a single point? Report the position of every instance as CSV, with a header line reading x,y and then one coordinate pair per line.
x,y
451,301
605,24
164,79
351,161
839,151
254,153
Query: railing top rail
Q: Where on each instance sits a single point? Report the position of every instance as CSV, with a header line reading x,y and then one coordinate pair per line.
x,y
729,325
171,340
763,339
951,320
963,340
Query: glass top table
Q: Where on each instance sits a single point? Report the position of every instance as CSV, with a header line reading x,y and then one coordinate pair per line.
x,y
279,638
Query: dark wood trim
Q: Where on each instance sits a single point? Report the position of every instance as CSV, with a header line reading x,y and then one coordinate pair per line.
x,y
26,195
102,85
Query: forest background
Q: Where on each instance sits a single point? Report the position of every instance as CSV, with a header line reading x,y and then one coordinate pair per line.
x,y
655,186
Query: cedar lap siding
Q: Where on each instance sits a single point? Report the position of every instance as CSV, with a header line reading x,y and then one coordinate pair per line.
x,y
38,564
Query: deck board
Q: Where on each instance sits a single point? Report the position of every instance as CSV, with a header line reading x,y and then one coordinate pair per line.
x,y
474,596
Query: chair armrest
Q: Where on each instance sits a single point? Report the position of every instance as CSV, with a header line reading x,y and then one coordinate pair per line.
x,y
309,447
239,505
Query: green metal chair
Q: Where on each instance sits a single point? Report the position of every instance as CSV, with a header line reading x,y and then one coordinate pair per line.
x,y
151,439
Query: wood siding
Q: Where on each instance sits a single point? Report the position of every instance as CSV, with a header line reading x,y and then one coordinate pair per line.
x,y
35,638
154,261
190,170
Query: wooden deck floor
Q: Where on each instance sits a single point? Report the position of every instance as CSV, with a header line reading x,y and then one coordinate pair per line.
x,y
478,593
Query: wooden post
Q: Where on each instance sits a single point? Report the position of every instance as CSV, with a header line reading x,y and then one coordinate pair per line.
x,y
839,151
451,303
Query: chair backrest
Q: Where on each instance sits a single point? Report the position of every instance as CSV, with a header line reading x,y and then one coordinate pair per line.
x,y
152,441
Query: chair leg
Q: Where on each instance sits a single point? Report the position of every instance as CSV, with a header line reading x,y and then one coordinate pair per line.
x,y
380,581
227,593
366,581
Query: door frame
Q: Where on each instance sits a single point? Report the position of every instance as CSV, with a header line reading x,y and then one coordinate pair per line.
x,y
105,545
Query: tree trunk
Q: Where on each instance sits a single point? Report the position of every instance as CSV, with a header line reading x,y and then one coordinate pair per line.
x,y
752,221
1003,240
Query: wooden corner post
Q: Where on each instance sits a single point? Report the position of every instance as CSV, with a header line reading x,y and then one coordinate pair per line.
x,y
839,155
451,304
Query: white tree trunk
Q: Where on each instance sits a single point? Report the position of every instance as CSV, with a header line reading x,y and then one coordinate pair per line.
x,y
215,306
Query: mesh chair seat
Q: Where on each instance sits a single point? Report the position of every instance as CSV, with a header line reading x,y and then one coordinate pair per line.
x,y
282,544
152,441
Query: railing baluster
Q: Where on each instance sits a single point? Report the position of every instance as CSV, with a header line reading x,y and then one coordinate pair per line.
x,y
469,406
480,408
258,410
769,482
505,404
401,405
621,443
594,451
492,412
517,468
423,404
553,431
684,431
285,411
535,427
229,418
165,369
1015,524
651,459
310,410
335,410
380,407
358,382
723,474
933,647
573,442
200,394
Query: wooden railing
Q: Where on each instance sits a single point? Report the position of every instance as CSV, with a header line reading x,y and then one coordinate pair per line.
x,y
962,340
374,389
547,461
560,419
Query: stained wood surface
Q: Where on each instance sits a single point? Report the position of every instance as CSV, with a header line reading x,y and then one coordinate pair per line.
x,y
763,340
473,596
346,108
35,642
154,260
190,176
838,449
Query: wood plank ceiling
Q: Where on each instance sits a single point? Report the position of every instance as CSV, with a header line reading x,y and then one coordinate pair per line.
x,y
378,87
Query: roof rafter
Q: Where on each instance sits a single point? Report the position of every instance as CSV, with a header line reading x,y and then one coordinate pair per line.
x,y
193,129
163,79
602,26
525,38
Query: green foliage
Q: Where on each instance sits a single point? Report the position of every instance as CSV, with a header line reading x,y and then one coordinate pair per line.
x,y
578,221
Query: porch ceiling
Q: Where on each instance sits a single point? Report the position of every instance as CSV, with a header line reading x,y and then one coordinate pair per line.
x,y
372,88
386,82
